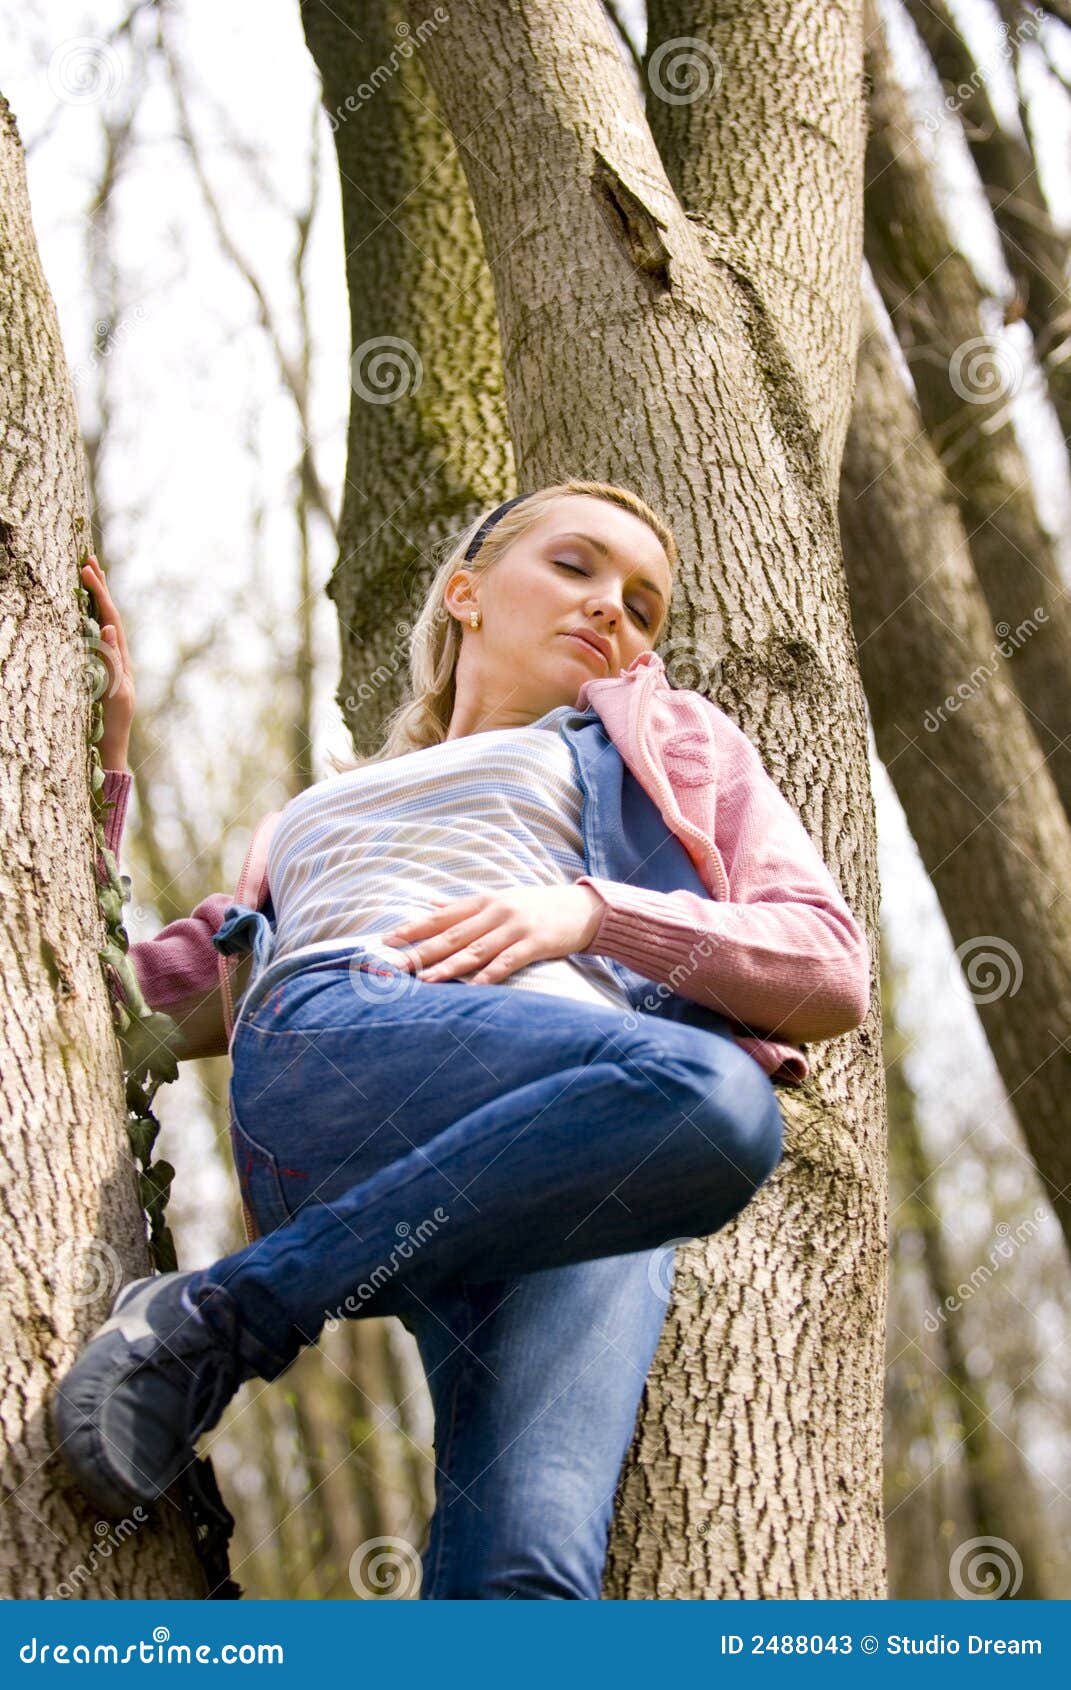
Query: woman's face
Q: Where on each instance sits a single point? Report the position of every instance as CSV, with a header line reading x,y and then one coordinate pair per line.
x,y
585,565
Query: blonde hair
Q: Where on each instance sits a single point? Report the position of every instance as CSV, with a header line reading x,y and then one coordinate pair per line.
x,y
423,718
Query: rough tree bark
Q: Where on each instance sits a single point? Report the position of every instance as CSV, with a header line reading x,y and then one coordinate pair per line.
x,y
711,368
427,446
72,1227
964,380
977,793
1035,251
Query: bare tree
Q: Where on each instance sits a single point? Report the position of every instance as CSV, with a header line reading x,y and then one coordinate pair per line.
x,y
1035,250
964,382
638,346
74,1229
974,784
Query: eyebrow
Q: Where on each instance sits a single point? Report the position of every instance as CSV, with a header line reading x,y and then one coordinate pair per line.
x,y
601,546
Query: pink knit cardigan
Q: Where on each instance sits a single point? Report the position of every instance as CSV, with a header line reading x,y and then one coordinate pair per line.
x,y
774,948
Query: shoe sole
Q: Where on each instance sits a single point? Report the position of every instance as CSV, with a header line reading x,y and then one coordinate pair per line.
x,y
82,1447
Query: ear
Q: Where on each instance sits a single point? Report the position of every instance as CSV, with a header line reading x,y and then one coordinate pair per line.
x,y
460,596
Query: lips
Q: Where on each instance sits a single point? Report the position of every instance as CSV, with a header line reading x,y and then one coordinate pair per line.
x,y
594,642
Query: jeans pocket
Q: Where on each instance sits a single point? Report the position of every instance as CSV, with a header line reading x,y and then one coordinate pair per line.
x,y
259,1179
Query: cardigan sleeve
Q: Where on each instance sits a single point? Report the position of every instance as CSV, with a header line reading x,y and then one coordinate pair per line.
x,y
179,963
783,954
116,792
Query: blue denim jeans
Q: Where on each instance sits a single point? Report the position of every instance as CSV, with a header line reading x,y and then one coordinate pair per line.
x,y
508,1172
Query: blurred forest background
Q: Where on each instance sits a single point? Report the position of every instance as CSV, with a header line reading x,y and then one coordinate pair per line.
x,y
185,198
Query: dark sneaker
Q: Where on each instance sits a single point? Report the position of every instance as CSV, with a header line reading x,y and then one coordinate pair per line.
x,y
149,1382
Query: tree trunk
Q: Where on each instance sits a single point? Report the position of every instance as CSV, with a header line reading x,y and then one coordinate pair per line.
x,y
684,361
977,794
997,1496
73,1228
964,377
1035,251
1002,1504
427,446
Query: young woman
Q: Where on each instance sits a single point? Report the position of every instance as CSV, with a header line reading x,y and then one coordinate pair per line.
x,y
532,972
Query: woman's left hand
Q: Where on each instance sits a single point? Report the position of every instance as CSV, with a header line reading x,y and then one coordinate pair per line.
x,y
499,932
119,702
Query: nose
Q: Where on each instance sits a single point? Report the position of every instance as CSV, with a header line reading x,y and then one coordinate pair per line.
x,y
603,605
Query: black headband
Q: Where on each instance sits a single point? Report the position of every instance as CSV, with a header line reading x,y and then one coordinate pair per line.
x,y
488,523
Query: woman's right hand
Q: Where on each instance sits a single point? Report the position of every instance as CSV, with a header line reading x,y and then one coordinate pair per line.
x,y
119,701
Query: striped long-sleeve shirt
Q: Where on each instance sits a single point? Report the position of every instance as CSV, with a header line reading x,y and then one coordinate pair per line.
x,y
357,854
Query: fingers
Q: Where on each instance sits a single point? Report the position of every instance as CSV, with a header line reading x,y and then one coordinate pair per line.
x,y
450,908
111,627
452,952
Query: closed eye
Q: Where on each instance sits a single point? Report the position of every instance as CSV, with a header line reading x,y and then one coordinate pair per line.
x,y
643,620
